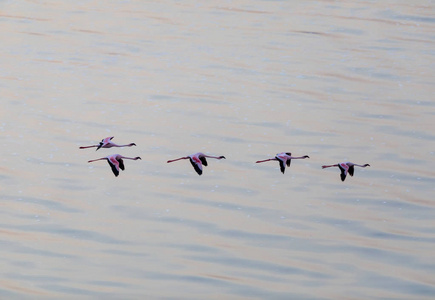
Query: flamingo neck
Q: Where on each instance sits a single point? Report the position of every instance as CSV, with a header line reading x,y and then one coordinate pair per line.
x,y
217,157
132,158
362,166
128,145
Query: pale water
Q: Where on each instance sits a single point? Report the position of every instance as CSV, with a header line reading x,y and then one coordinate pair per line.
x,y
335,80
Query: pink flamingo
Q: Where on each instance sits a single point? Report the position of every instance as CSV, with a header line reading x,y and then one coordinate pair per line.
x,y
346,167
284,159
116,162
197,160
107,143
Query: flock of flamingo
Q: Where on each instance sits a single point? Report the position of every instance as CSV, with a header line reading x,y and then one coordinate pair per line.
x,y
199,159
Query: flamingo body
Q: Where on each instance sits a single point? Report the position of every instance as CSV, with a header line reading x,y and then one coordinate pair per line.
x,y
197,160
284,159
116,162
346,168
107,143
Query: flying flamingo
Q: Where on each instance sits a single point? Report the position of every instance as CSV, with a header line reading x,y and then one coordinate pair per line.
x,y
116,162
284,159
346,167
197,160
107,143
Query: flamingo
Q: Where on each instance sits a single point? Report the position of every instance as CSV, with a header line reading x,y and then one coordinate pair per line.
x,y
107,143
284,159
197,160
116,162
345,167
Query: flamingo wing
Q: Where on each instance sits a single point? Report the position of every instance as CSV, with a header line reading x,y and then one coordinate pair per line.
x,y
100,145
104,142
203,160
286,158
281,164
121,164
196,165
114,165
351,169
343,168
342,176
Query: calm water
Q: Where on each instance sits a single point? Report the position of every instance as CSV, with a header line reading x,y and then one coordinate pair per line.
x,y
245,79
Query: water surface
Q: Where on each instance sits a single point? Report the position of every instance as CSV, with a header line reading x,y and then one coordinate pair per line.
x,y
244,79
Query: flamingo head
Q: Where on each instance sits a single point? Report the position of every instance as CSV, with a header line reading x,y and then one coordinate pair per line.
x,y
220,157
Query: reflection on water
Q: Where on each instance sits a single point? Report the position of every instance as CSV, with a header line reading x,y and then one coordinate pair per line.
x,y
335,81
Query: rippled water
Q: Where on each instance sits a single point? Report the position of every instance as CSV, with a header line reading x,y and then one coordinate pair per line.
x,y
245,79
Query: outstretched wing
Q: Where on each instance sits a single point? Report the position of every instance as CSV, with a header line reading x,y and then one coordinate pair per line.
x,y
342,176
351,169
288,162
114,167
104,142
343,168
203,160
121,164
196,165
281,165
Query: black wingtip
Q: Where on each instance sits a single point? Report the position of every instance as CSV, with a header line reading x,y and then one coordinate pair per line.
x,y
282,166
195,166
343,177
198,170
